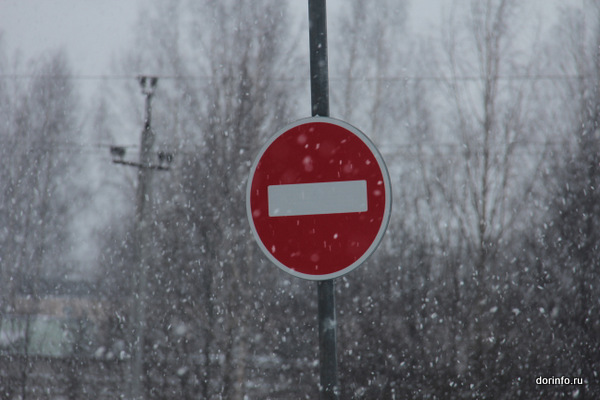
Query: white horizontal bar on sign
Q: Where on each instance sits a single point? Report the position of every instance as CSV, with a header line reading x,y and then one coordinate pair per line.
x,y
317,198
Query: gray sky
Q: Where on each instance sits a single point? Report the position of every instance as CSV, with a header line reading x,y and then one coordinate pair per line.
x,y
91,31
94,31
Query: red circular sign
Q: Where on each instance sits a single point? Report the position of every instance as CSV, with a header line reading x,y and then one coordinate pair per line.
x,y
318,198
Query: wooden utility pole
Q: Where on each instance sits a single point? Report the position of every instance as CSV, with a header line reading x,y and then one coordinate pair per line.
x,y
141,241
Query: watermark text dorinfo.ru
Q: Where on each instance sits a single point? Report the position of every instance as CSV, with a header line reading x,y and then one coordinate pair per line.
x,y
559,380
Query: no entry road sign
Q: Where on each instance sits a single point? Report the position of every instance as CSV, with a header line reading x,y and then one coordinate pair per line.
x,y
318,198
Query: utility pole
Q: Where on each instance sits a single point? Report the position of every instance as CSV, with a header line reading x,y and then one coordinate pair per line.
x,y
145,167
143,196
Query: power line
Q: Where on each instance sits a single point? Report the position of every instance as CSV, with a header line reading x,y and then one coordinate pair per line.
x,y
441,78
103,149
402,78
68,76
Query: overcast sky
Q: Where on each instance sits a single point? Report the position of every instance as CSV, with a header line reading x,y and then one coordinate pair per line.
x,y
94,31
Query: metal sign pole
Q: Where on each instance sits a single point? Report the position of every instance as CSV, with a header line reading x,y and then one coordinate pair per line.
x,y
329,389
319,87
319,74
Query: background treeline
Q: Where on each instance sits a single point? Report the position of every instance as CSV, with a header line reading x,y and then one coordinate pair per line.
x,y
488,276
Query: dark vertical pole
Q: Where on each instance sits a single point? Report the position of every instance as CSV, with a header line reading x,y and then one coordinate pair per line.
x,y
140,299
319,75
327,341
319,89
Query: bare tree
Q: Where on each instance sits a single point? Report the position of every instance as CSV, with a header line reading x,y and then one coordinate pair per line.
x,y
39,194
224,90
367,62
480,175
569,241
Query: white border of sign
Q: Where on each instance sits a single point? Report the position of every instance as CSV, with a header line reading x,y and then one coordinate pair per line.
x,y
386,182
